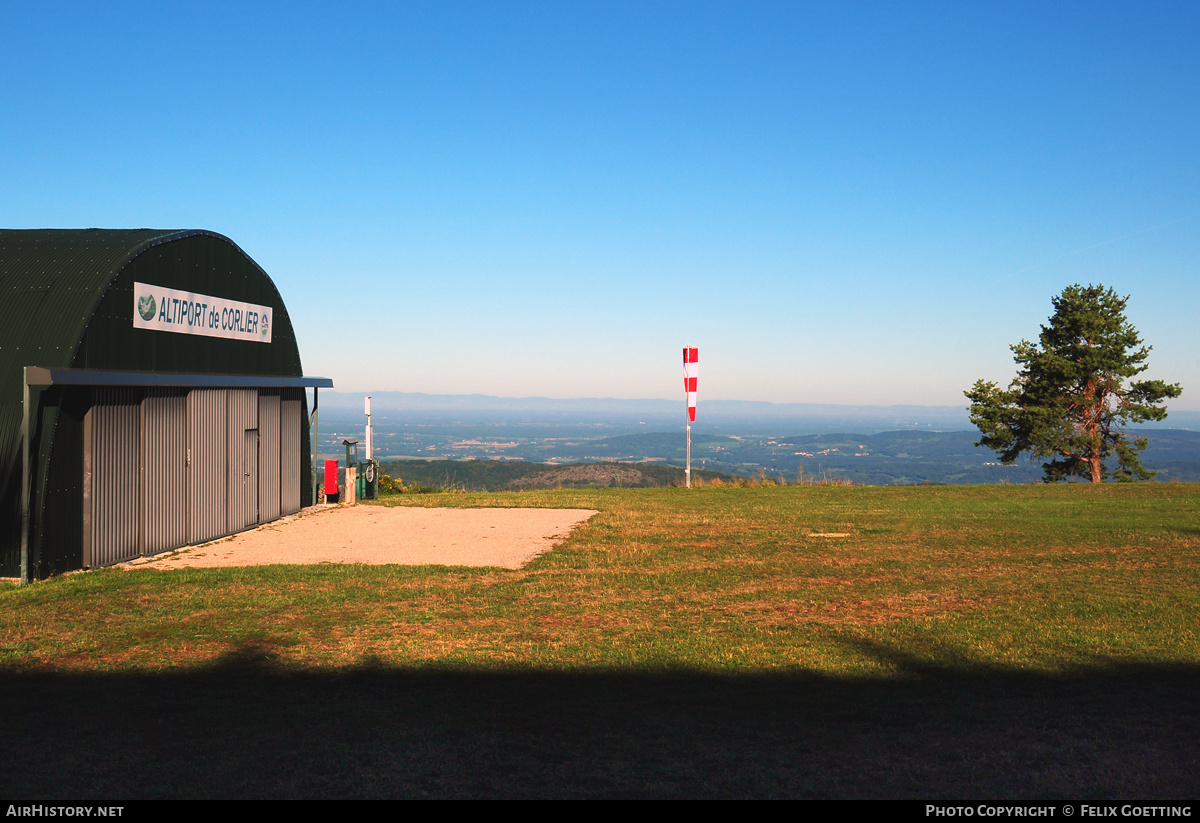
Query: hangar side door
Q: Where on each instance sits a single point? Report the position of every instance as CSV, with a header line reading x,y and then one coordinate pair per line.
x,y
208,421
268,455
242,494
111,477
291,404
164,470
250,476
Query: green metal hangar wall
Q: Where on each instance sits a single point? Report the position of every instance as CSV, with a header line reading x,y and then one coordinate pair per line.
x,y
151,397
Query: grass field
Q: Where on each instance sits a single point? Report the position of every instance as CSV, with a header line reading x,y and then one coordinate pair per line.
x,y
979,641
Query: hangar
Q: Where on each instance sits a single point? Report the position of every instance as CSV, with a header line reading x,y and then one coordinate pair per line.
x,y
151,397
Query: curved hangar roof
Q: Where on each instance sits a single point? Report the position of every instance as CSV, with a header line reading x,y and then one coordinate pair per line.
x,y
100,299
67,297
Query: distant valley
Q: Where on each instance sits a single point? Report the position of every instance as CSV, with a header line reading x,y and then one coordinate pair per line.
x,y
744,439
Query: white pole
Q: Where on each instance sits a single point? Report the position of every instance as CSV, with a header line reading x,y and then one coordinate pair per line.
x,y
367,407
688,472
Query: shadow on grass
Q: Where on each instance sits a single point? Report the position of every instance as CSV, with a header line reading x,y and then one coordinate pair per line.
x,y
244,728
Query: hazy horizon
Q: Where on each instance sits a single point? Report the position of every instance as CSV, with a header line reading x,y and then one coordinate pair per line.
x,y
716,414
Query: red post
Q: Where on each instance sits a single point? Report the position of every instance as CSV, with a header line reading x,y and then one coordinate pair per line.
x,y
331,478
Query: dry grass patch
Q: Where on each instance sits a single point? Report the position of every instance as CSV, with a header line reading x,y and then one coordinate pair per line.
x,y
859,612
666,564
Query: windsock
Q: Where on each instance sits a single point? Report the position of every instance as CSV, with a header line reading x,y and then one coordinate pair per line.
x,y
691,370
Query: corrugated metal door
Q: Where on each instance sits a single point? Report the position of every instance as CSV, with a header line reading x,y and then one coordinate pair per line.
x,y
208,449
165,467
164,518
243,416
268,455
250,477
291,414
111,477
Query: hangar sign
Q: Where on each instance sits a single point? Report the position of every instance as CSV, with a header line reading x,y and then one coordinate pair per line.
x,y
183,312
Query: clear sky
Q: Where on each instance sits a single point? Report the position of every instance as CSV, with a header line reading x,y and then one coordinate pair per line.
x,y
843,202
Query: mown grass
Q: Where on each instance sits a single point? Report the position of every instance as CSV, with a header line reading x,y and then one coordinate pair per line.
x,y
1022,640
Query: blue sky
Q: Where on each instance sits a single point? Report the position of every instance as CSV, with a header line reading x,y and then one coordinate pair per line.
x,y
841,202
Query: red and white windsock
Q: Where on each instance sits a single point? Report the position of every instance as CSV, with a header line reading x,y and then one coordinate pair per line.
x,y
691,370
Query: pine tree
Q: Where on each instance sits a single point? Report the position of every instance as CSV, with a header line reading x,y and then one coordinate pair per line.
x,y
1071,397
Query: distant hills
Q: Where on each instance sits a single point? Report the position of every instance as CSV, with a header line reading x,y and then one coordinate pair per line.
x,y
653,459
905,457
884,458
479,475
877,445
722,416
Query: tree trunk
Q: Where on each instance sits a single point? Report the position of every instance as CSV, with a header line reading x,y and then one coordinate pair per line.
x,y
1093,415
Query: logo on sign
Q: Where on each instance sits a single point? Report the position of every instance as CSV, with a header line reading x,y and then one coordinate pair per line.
x,y
146,307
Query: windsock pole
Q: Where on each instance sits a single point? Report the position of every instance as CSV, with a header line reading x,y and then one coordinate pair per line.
x,y
691,369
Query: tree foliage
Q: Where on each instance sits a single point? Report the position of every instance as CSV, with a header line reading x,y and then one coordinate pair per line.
x,y
1073,394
